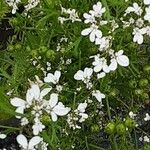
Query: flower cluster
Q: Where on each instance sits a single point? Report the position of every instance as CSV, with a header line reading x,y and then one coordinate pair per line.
x,y
77,116
31,4
101,66
73,16
13,4
140,22
37,105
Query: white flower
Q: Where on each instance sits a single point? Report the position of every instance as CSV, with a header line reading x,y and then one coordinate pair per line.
x,y
101,75
132,115
97,10
147,118
3,136
147,15
13,4
100,64
103,43
139,22
138,35
73,16
89,18
33,94
85,75
146,139
37,127
81,107
23,142
136,9
93,32
44,145
147,2
56,108
120,59
24,121
31,4
52,78
98,95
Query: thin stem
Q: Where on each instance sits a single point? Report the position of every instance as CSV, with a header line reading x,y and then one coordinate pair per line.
x,y
108,108
7,127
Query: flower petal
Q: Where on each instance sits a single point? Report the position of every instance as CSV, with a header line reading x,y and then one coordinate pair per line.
x,y
57,75
53,100
88,72
2,136
34,141
29,96
79,75
123,60
49,78
54,116
44,92
86,31
18,102
113,65
92,36
36,91
22,140
61,110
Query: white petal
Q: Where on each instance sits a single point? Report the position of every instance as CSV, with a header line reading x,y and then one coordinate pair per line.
x,y
101,75
147,2
57,75
119,53
106,68
54,116
44,92
60,109
79,75
98,41
2,136
86,31
34,141
86,16
98,33
53,100
49,78
17,102
29,96
113,65
123,60
82,107
22,140
92,36
36,91
88,72
98,68
20,110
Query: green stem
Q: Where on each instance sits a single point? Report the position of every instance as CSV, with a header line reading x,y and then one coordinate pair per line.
x,y
108,108
7,127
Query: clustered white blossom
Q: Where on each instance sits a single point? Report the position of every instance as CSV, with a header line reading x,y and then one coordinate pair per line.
x,y
101,66
84,76
36,100
37,104
77,116
140,23
31,4
73,15
13,4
